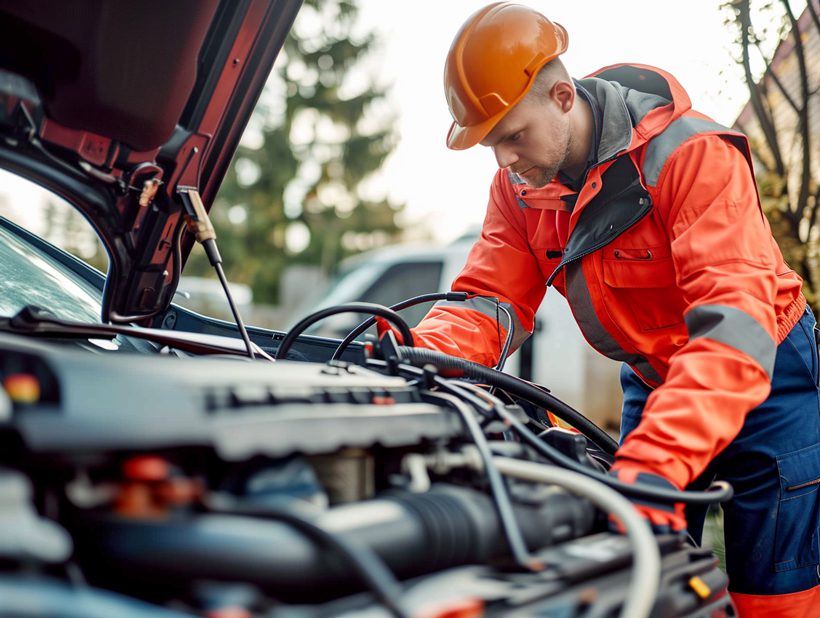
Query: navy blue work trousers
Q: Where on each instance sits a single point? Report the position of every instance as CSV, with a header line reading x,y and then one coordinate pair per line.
x,y
772,524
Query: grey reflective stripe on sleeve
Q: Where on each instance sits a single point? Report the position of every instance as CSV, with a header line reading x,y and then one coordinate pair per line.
x,y
490,307
734,328
594,332
664,144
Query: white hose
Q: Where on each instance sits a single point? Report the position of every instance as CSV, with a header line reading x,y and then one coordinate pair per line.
x,y
643,586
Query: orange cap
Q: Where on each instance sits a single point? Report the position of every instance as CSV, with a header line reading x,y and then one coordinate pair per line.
x,y
22,388
492,64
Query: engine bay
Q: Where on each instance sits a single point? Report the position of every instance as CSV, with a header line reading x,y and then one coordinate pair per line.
x,y
412,484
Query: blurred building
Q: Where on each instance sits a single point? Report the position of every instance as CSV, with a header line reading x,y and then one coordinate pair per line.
x,y
783,74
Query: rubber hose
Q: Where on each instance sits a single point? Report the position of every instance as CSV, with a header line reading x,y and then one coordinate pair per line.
x,y
517,386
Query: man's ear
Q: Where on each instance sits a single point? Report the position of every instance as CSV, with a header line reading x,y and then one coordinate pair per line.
x,y
563,93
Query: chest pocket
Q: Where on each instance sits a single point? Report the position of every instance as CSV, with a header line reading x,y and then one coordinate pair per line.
x,y
643,280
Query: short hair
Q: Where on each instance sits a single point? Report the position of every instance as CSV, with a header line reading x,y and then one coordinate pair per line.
x,y
550,73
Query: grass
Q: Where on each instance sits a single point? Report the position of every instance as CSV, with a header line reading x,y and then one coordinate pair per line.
x,y
713,534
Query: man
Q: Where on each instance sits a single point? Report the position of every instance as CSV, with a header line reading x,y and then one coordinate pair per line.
x,y
645,215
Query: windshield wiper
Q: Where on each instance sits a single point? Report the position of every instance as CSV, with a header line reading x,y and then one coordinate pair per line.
x,y
38,322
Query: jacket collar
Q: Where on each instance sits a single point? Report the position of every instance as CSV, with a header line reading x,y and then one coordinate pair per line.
x,y
636,101
616,123
651,99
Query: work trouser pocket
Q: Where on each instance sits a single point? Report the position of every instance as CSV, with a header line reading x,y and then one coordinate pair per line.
x,y
797,535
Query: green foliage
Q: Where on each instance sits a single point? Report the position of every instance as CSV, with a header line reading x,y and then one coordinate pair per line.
x,y
293,193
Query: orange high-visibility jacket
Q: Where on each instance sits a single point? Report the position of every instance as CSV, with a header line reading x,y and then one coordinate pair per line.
x,y
665,258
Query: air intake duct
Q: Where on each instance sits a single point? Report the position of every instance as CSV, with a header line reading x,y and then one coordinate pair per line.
x,y
412,533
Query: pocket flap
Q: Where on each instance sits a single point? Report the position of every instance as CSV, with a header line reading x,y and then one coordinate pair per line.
x,y
639,273
799,471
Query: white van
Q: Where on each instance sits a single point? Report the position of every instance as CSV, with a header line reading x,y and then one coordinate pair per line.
x,y
556,356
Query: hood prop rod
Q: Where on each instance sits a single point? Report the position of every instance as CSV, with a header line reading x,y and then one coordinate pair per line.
x,y
199,224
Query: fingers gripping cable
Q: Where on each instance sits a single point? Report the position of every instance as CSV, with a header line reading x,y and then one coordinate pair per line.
x,y
416,300
424,298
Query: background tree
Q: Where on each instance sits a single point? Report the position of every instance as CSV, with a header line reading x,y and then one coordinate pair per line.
x,y
295,192
782,121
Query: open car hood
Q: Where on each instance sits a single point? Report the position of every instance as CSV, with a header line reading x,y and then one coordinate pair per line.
x,y
106,101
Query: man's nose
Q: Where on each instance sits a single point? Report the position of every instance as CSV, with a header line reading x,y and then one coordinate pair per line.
x,y
504,156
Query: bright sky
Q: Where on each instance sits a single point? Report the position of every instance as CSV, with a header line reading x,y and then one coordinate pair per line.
x,y
447,190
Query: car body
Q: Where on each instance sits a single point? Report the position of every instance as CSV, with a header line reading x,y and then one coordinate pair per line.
x,y
155,462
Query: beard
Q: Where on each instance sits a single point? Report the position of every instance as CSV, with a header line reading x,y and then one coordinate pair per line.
x,y
539,176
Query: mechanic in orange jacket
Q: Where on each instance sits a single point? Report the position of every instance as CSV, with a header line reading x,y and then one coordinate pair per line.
x,y
644,214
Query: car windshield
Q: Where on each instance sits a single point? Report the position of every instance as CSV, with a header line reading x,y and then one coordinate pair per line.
x,y
28,276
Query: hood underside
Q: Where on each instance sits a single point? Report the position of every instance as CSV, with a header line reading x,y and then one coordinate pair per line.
x,y
120,106
109,72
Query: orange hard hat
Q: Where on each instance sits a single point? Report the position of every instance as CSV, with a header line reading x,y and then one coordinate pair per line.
x,y
492,64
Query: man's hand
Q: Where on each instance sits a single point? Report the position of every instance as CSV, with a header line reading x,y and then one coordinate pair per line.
x,y
664,517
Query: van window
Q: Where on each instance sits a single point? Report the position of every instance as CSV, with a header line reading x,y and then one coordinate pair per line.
x,y
385,284
403,281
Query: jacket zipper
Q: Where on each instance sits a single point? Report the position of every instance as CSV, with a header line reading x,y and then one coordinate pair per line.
x,y
599,245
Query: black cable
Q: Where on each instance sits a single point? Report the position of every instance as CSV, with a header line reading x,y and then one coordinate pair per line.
x,y
372,308
709,496
508,339
719,492
498,488
415,300
516,386
367,565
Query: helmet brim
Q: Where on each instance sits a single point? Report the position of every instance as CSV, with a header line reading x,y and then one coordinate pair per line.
x,y
462,138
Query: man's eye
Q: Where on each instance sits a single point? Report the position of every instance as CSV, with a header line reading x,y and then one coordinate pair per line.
x,y
516,136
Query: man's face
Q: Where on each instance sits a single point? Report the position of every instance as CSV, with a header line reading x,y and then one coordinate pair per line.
x,y
532,140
